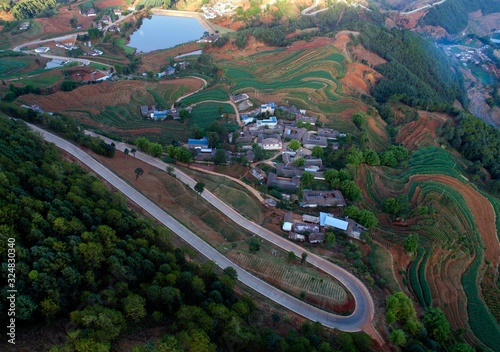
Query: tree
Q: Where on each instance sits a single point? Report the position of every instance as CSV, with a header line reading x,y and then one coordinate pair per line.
x,y
396,206
304,258
291,256
231,272
371,157
397,337
462,347
138,172
199,187
150,74
134,307
299,162
411,243
156,150
317,151
351,190
184,114
126,151
306,178
219,157
133,151
358,119
276,319
294,144
355,156
437,324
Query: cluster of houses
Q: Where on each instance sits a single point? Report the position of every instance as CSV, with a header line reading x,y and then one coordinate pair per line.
x,y
312,228
160,115
219,9
206,154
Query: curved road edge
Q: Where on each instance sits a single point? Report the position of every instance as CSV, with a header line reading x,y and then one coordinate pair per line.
x,y
352,323
362,317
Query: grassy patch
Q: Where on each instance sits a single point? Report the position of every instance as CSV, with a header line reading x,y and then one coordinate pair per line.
x,y
206,113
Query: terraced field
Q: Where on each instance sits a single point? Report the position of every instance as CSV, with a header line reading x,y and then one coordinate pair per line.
x,y
116,106
308,79
206,113
291,279
11,67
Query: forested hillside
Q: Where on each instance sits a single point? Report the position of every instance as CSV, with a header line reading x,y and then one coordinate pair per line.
x,y
453,15
83,256
417,70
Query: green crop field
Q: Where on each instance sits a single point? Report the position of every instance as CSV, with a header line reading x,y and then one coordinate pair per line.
x,y
152,3
379,259
414,277
287,278
248,206
216,93
206,113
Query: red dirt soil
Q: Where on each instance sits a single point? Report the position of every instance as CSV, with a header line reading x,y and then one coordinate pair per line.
x,y
480,207
357,80
60,22
420,133
359,53
109,3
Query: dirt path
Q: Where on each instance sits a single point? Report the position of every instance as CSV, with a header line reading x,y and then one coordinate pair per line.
x,y
241,183
482,210
196,91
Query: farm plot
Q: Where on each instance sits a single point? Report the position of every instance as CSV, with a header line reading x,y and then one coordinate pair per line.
x,y
116,106
380,259
206,113
290,279
310,76
217,93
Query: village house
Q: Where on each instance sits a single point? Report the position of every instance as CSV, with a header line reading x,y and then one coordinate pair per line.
x,y
269,123
292,171
267,108
316,237
309,161
310,219
106,19
97,25
335,146
249,155
237,98
258,173
313,199
113,29
296,237
270,142
210,39
294,133
147,111
292,110
88,12
287,221
283,182
196,143
255,131
244,136
302,228
247,119
117,12
306,119
67,46
328,133
310,140
348,226
42,49
205,154
24,25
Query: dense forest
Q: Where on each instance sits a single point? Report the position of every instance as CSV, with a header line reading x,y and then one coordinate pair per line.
x,y
417,71
453,15
83,256
32,8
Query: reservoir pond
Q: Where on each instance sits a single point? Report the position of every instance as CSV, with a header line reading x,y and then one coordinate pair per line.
x,y
162,32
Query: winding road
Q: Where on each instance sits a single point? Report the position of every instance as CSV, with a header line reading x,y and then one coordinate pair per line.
x,y
360,320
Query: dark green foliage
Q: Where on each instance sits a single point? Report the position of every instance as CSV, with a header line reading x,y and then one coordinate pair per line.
x,y
69,85
453,15
32,8
199,187
364,217
14,92
417,72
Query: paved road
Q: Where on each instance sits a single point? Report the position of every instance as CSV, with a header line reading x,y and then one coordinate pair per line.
x,y
422,8
66,37
363,314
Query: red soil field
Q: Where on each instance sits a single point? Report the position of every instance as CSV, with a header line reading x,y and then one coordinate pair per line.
x,y
109,3
360,77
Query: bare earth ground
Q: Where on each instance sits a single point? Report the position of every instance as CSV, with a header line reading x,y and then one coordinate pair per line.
x,y
480,207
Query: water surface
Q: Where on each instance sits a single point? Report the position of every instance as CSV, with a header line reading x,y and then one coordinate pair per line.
x,y
162,32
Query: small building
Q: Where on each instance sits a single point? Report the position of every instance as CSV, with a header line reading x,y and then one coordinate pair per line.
x,y
247,119
209,39
270,122
270,108
197,143
117,12
272,142
316,237
95,52
106,19
329,221
147,111
244,137
99,76
335,146
258,173
89,12
238,98
328,133
300,227
296,237
24,26
42,49
287,221
310,219
294,133
283,182
97,25
113,29
170,71
310,140
313,199
306,119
